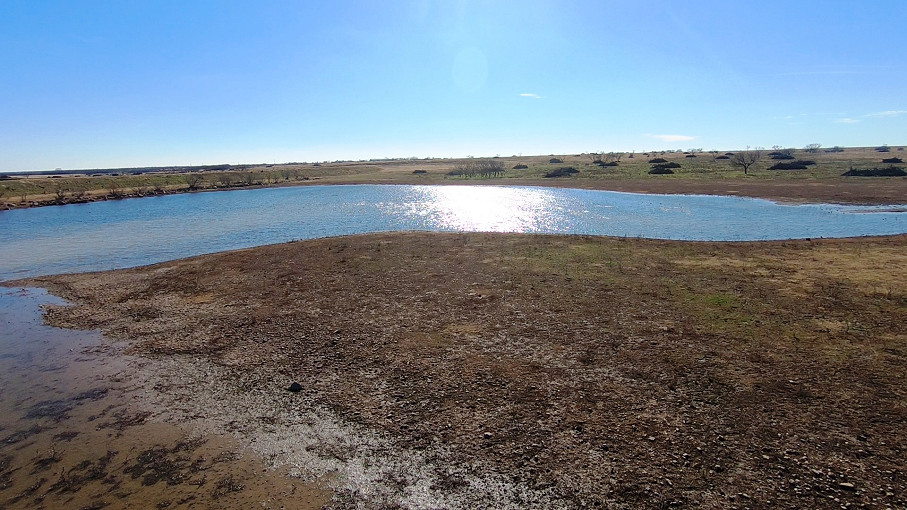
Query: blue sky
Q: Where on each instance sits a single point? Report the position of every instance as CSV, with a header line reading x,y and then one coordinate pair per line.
x,y
89,84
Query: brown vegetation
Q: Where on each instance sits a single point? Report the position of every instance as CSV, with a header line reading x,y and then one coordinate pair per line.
x,y
582,371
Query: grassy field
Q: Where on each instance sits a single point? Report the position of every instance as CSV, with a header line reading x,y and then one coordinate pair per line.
x,y
699,172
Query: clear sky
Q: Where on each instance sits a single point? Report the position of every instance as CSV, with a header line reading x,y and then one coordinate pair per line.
x,y
88,84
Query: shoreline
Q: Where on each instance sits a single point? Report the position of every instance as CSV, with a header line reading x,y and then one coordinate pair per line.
x,y
428,349
85,424
840,191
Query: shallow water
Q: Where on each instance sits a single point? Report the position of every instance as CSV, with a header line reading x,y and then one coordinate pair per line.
x,y
80,428
126,233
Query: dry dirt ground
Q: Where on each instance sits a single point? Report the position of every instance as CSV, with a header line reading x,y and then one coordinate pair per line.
x,y
508,370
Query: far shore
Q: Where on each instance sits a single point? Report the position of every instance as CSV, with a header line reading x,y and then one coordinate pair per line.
x,y
700,174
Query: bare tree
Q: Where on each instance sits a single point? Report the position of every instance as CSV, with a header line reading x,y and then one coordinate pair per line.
x,y
193,180
746,159
484,168
225,179
813,147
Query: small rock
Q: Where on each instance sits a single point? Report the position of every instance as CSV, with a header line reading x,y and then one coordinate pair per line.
x,y
295,387
847,486
487,435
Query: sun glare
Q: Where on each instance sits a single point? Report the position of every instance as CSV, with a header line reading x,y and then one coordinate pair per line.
x,y
485,208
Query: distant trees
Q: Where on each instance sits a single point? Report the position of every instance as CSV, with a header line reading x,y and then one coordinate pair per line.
x,y
484,168
813,147
603,158
746,159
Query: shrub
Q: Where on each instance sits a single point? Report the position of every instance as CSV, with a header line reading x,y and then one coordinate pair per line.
x,y
691,155
658,160
793,165
667,165
892,160
883,148
554,161
891,171
788,166
723,156
607,163
419,172
785,154
562,172
520,167
835,149
660,170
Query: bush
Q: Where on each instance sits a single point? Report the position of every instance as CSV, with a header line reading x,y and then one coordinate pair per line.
x,y
554,161
667,165
607,163
892,160
793,165
660,170
562,172
883,148
723,157
520,167
691,155
891,171
786,154
419,172
658,160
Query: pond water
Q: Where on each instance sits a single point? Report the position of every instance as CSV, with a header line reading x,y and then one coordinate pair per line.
x,y
126,233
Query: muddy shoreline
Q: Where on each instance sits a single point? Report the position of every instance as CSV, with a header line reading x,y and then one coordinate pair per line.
x,y
84,425
454,370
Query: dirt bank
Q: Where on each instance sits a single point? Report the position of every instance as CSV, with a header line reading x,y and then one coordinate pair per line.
x,y
538,371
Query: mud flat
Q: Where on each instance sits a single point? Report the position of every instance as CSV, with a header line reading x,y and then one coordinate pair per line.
x,y
81,426
515,371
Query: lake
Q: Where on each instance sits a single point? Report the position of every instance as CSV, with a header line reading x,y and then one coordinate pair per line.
x,y
126,233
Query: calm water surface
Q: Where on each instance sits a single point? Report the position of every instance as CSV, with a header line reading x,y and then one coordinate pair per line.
x,y
125,233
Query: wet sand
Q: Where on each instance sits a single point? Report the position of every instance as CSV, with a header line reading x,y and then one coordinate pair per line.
x,y
83,425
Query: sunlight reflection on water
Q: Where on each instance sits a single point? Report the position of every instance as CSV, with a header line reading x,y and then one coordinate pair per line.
x,y
486,209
